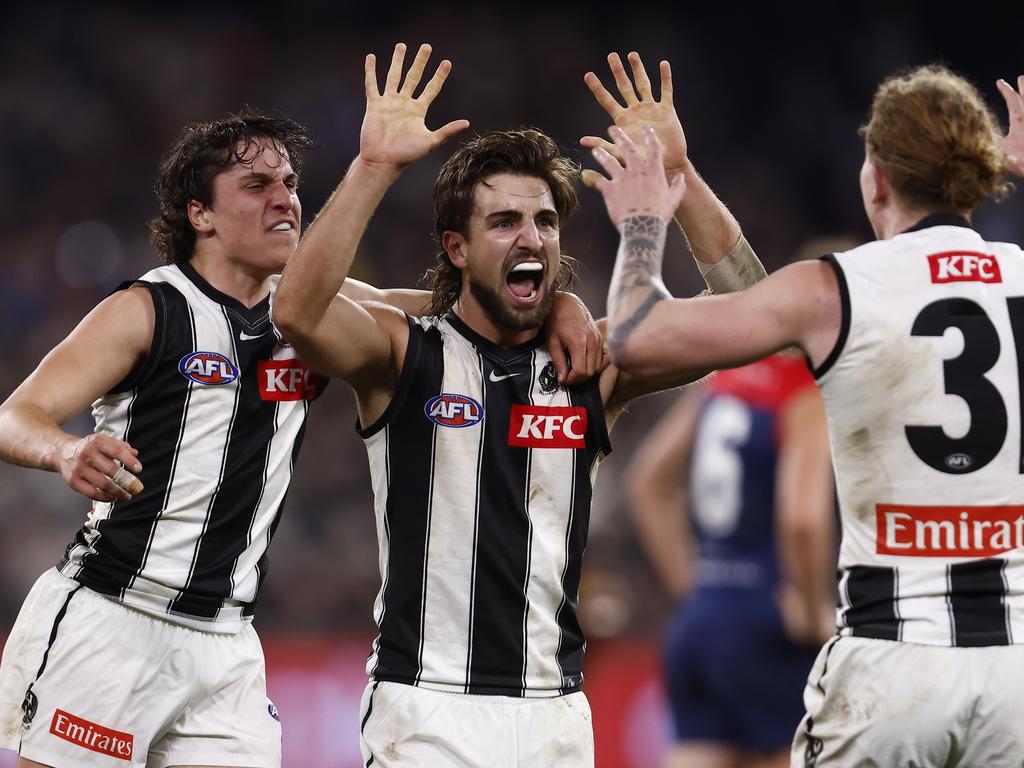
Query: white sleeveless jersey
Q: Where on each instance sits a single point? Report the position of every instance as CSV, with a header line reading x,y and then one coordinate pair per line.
x,y
923,392
482,470
217,412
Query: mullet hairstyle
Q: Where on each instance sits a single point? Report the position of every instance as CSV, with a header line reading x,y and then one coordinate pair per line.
x,y
525,152
202,151
932,135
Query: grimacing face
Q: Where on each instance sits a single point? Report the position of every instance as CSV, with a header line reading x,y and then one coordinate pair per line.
x,y
256,214
511,251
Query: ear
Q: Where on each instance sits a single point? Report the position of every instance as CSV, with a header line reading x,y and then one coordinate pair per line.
x,y
454,245
199,216
882,189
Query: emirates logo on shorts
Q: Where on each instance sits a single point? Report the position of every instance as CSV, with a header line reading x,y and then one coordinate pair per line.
x,y
92,736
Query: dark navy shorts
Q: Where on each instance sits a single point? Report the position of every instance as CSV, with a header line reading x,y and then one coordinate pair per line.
x,y
732,675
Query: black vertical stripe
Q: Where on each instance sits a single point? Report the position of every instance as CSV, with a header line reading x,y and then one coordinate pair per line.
x,y
476,531
872,594
159,404
976,597
236,500
503,550
572,643
406,507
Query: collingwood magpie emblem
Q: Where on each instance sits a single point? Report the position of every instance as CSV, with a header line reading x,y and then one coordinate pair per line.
x,y
548,380
28,708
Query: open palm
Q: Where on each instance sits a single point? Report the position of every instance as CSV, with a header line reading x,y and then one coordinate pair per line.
x,y
394,128
639,109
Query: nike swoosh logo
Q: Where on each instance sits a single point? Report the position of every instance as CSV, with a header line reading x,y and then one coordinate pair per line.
x,y
496,379
243,336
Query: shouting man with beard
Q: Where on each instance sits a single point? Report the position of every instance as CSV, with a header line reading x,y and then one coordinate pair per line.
x,y
482,460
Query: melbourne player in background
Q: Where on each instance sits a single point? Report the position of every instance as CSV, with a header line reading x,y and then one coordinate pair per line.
x,y
732,498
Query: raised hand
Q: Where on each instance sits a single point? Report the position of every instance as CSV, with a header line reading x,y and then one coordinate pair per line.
x,y
641,188
394,128
641,110
1013,142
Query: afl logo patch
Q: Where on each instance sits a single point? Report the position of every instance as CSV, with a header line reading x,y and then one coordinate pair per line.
x,y
449,410
207,368
959,462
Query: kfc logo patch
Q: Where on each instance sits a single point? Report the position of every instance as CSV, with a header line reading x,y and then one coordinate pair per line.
x,y
92,736
537,426
964,266
286,380
918,531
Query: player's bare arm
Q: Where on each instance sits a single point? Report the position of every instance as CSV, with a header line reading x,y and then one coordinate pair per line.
x,y
653,336
333,333
723,256
105,347
657,480
1013,142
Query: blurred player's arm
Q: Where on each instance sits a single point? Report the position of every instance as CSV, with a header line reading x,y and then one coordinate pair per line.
x,y
805,519
657,482
334,334
723,256
107,345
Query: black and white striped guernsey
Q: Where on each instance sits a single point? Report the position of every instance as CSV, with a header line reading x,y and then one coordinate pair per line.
x,y
217,412
482,470
924,392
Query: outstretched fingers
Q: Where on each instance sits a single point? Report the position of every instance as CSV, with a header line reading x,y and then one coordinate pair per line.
x,y
622,80
433,86
643,83
604,98
666,82
445,132
370,77
415,73
395,70
1014,103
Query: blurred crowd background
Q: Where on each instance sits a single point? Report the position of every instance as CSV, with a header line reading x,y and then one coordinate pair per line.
x,y
91,94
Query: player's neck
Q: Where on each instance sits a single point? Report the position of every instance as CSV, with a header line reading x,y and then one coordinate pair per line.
x,y
249,287
485,324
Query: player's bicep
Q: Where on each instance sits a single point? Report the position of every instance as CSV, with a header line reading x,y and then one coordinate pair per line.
x,y
105,347
352,341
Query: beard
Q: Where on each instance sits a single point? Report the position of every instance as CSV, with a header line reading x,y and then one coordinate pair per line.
x,y
508,316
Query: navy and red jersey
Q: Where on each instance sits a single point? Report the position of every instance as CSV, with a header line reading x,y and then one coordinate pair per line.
x,y
732,472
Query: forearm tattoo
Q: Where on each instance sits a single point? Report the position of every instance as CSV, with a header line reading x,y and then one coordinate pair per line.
x,y
636,283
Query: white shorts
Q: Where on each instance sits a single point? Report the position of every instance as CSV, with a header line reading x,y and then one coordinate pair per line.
x,y
404,725
86,681
885,703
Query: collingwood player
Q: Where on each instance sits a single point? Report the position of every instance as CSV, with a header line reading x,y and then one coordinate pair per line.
x,y
917,342
482,462
139,647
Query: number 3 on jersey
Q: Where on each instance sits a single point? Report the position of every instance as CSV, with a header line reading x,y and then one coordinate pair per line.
x,y
964,376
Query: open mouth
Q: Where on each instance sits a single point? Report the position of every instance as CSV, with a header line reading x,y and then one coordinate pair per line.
x,y
284,226
524,281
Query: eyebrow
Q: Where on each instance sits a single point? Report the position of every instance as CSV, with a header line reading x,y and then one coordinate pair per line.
x,y
512,213
257,176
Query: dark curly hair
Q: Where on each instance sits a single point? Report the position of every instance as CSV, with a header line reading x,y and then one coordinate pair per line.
x,y
203,150
524,151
